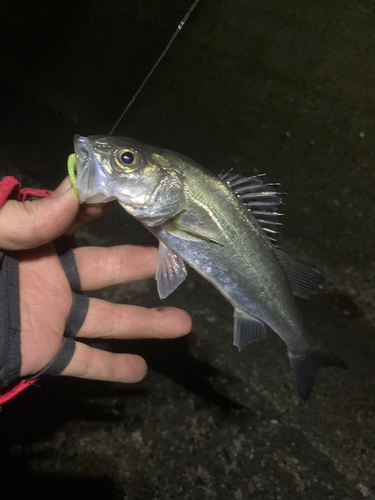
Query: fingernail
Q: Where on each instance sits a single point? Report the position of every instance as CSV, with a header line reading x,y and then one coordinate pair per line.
x,y
62,188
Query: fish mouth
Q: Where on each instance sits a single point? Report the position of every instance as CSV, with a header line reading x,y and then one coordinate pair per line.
x,y
93,181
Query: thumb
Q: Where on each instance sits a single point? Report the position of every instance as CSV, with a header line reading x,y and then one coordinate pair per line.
x,y
34,223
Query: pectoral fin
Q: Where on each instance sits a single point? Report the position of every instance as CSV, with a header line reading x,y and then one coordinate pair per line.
x,y
194,232
170,271
247,329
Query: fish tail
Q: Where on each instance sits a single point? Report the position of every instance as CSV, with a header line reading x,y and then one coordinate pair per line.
x,y
305,366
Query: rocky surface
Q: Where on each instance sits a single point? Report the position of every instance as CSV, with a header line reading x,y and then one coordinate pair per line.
x,y
282,88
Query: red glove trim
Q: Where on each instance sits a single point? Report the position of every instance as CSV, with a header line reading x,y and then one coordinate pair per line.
x,y
10,188
15,390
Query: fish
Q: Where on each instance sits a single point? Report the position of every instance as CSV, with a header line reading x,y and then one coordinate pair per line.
x,y
222,226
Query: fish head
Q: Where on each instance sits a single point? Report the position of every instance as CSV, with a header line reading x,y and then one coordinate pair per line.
x,y
142,178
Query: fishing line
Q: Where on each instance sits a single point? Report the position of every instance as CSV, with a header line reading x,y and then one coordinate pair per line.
x,y
179,27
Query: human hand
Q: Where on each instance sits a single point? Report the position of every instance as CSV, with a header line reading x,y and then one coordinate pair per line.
x,y
46,297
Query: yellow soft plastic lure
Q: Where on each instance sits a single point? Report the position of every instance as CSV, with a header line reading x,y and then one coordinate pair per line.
x,y
72,170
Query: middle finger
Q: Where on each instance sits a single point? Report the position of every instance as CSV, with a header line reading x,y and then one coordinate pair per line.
x,y
107,320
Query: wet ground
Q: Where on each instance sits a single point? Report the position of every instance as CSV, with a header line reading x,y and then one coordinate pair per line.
x,y
284,88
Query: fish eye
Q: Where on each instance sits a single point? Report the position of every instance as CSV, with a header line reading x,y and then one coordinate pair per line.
x,y
127,159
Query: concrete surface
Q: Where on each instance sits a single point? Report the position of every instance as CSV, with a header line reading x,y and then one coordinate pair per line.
x,y
285,88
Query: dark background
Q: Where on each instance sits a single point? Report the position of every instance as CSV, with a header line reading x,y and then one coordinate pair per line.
x,y
285,88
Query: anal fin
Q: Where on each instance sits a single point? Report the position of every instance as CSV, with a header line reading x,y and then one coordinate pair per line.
x,y
247,329
170,271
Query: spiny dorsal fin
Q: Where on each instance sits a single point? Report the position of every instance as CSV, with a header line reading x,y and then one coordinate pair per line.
x,y
259,198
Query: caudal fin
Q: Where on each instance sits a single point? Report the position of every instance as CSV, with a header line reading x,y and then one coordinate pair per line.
x,y
304,368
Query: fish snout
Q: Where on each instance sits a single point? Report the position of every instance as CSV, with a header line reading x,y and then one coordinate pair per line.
x,y
93,181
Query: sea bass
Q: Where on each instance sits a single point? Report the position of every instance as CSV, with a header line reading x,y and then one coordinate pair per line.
x,y
221,226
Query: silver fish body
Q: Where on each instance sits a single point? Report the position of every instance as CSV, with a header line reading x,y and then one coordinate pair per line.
x,y
205,221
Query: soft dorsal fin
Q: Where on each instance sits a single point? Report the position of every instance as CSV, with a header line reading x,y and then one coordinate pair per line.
x,y
303,280
259,198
